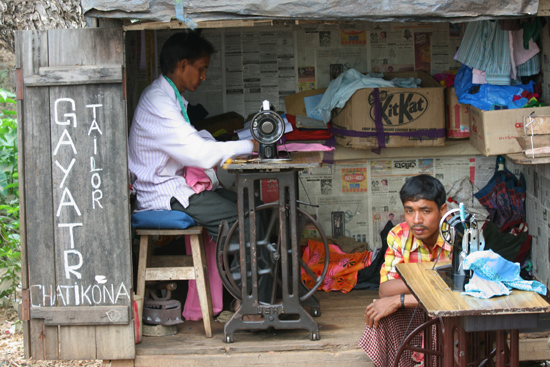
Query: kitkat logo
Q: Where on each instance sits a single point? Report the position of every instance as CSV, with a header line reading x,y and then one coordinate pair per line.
x,y
399,108
354,177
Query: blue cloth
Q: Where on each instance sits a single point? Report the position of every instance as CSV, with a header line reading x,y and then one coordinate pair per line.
x,y
495,276
342,88
162,219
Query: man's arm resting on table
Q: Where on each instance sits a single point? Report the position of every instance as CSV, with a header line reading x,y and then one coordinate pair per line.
x,y
389,302
392,287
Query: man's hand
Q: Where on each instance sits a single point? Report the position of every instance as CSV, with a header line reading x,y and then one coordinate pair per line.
x,y
256,145
380,308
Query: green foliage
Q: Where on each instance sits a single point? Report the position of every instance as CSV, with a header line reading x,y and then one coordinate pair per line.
x,y
10,244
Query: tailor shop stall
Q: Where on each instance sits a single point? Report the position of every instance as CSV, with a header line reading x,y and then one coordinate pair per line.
x,y
77,90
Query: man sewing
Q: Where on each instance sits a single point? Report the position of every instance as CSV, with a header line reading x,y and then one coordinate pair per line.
x,y
390,318
171,163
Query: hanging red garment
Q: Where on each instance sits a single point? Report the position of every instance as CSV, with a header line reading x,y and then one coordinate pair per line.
x,y
342,269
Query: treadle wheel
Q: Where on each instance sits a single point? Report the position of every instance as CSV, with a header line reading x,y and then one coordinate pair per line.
x,y
268,253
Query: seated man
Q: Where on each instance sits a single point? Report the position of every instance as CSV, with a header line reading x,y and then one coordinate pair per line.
x,y
171,163
390,318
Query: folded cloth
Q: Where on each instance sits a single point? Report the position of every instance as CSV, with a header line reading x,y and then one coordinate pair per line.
x,y
495,276
200,179
304,147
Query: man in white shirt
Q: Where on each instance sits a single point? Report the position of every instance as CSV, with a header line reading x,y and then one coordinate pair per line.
x,y
162,142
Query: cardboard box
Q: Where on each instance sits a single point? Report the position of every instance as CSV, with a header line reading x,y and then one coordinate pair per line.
x,y
409,117
458,121
221,124
295,102
495,132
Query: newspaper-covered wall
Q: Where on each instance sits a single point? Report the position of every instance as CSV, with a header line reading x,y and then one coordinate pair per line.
x,y
252,65
356,199
351,10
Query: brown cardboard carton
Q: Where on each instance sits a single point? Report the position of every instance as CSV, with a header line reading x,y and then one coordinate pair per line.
x,y
495,132
458,121
221,124
409,117
295,102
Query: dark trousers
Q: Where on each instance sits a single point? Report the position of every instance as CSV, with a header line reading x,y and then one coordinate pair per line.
x,y
209,208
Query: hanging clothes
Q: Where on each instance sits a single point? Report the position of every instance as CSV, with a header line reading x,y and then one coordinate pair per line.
x,y
497,56
504,195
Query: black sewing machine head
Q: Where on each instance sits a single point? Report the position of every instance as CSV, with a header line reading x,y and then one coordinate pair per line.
x,y
459,229
267,128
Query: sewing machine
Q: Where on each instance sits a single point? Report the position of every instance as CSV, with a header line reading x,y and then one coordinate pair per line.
x,y
460,230
267,128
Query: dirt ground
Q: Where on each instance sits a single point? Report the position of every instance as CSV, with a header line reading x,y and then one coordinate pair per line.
x,y
11,345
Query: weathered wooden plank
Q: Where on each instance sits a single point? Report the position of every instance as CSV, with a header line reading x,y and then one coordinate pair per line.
x,y
174,261
71,75
38,207
90,189
120,336
98,315
176,24
21,163
77,342
98,46
76,190
303,359
534,349
121,363
169,274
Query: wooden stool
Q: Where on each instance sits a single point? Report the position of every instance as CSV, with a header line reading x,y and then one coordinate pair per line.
x,y
183,267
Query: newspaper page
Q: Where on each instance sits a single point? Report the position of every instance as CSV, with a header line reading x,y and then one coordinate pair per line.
x,y
391,48
387,176
341,191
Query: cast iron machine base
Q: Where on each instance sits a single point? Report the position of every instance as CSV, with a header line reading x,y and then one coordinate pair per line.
x,y
259,258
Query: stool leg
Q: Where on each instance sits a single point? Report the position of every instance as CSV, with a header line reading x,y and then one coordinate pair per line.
x,y
203,286
144,244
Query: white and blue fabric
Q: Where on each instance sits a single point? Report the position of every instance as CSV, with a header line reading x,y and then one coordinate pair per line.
x,y
495,276
342,88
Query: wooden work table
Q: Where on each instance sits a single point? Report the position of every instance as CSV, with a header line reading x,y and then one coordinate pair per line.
x,y
464,314
298,160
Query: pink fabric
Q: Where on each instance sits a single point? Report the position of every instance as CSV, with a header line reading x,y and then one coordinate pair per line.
x,y
518,54
192,307
305,147
197,179
478,77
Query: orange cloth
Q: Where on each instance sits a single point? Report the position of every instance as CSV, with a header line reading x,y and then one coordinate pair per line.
x,y
342,269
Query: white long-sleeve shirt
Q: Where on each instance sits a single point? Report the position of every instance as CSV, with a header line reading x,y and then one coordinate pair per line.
x,y
161,144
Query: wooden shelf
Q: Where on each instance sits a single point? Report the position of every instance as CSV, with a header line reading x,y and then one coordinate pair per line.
x,y
520,158
460,147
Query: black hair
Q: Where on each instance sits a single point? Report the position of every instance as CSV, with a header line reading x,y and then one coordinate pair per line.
x,y
190,45
423,187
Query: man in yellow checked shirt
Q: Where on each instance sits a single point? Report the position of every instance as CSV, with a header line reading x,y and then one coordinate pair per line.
x,y
416,240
